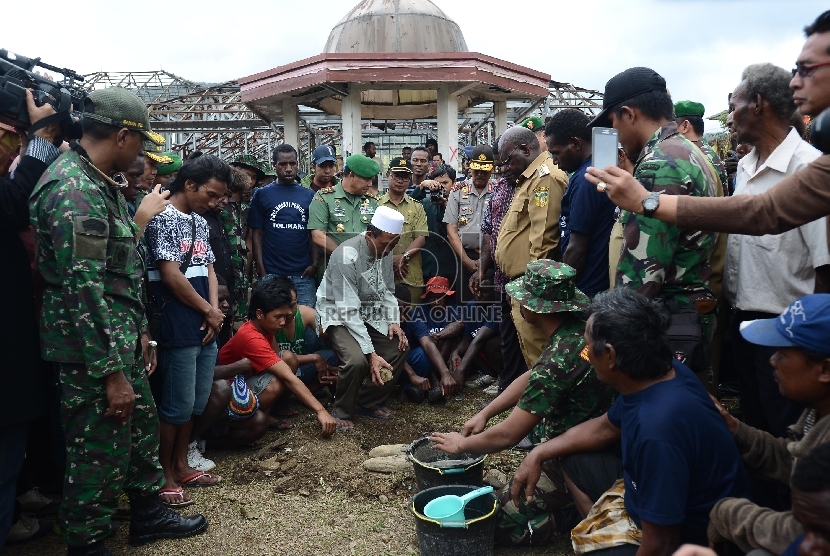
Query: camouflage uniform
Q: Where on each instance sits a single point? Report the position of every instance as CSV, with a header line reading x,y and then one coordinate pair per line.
x,y
713,157
660,260
235,221
563,388
90,325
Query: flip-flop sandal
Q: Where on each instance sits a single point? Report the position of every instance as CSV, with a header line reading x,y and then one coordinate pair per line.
x,y
281,425
193,480
384,415
177,492
343,428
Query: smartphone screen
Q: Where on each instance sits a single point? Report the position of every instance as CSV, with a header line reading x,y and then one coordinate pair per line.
x,y
604,147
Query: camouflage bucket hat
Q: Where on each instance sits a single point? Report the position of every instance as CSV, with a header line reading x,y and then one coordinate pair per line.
x,y
248,161
548,287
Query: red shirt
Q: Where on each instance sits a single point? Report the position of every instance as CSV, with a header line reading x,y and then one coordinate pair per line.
x,y
249,343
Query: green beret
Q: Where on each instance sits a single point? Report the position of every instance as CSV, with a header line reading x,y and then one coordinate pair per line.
x,y
175,166
363,166
533,123
688,108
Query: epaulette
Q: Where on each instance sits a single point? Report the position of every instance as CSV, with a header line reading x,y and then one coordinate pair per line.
x,y
371,196
326,190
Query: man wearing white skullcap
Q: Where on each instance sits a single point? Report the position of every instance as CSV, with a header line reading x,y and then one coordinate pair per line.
x,y
357,309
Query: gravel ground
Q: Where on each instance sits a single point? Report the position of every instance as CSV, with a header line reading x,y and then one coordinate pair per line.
x,y
320,501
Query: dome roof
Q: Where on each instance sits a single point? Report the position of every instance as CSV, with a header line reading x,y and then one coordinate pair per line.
x,y
395,26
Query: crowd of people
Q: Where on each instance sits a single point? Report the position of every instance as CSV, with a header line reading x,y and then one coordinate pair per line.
x,y
166,307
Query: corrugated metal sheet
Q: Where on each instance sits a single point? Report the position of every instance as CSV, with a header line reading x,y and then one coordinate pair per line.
x,y
375,26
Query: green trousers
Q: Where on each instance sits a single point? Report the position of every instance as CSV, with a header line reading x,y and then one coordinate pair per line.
x,y
104,456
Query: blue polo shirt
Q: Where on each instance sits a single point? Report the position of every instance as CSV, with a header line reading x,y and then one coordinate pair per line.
x,y
281,212
587,212
678,457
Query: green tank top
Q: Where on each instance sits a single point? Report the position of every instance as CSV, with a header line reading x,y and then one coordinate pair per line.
x,y
298,345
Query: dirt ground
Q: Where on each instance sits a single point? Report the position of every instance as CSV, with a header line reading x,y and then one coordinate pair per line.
x,y
321,500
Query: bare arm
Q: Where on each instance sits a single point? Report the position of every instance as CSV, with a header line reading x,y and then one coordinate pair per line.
x,y
241,367
257,241
659,540
822,279
321,239
484,335
577,252
590,436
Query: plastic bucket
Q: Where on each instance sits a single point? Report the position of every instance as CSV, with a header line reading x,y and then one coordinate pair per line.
x,y
475,536
436,468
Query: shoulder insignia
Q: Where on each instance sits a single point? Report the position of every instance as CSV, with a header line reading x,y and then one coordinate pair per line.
x,y
371,196
91,226
540,196
584,354
325,190
543,170
318,198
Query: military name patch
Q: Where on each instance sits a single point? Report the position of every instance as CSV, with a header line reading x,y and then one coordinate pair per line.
x,y
540,196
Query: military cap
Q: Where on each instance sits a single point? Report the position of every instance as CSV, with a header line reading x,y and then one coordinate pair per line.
x,y
155,150
120,108
625,86
533,123
363,166
174,166
400,164
482,158
688,108
248,161
548,287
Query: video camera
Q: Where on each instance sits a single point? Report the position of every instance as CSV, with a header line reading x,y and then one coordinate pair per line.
x,y
820,134
17,75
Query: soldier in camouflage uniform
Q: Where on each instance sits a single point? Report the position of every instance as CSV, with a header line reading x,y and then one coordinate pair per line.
x,y
90,325
235,221
689,118
558,393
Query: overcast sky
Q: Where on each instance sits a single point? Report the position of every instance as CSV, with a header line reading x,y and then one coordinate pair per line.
x,y
699,46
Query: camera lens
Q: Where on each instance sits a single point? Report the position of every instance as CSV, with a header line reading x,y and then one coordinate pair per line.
x,y
820,134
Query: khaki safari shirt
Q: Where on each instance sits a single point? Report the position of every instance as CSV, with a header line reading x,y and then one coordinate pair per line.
x,y
533,218
414,226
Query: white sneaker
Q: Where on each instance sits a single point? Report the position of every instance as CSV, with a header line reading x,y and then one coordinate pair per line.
x,y
196,460
492,390
28,527
481,382
32,501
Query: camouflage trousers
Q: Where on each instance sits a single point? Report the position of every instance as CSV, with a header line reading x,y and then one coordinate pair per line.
x,y
103,455
241,291
551,509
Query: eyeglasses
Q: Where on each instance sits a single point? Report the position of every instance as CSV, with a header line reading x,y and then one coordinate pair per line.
x,y
506,161
805,70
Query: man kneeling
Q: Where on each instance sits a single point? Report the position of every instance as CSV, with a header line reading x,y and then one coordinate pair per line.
x,y
678,457
272,306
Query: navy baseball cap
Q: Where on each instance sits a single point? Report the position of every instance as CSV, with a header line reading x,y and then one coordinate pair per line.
x,y
323,153
804,324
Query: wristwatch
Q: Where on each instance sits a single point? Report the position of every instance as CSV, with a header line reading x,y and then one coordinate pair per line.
x,y
651,203
406,256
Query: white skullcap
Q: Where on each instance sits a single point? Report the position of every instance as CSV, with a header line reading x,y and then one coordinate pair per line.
x,y
388,220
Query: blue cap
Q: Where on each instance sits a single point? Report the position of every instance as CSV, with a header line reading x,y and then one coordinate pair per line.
x,y
323,153
468,151
804,324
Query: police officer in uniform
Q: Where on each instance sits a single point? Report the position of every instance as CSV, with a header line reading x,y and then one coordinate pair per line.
x,y
465,209
339,213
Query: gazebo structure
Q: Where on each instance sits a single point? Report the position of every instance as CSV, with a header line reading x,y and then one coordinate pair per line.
x,y
392,60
